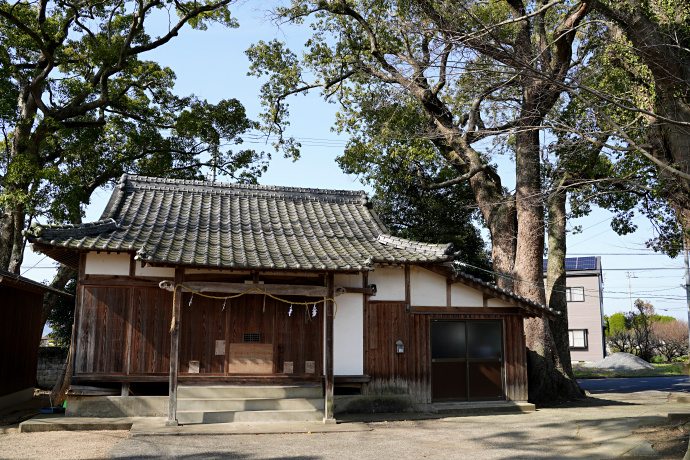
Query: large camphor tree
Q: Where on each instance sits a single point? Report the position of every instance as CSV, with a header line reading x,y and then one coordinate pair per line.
x,y
467,81
80,106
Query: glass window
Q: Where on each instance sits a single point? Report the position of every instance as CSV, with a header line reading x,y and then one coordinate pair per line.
x,y
485,339
578,338
448,340
575,294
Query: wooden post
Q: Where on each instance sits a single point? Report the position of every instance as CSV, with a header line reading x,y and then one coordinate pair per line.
x,y
175,352
328,413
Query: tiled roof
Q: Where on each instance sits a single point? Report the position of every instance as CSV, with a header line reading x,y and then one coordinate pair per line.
x,y
12,279
241,226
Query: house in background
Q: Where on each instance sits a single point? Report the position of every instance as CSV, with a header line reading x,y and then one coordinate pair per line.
x,y
584,292
247,276
21,307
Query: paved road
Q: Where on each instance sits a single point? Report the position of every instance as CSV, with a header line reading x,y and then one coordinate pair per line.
x,y
631,385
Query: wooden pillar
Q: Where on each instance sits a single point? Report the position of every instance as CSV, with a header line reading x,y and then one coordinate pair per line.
x,y
175,352
328,351
76,332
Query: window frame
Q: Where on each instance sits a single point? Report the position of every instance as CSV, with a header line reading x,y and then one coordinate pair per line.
x,y
571,339
569,293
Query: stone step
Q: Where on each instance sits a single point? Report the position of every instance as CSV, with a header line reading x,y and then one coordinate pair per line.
x,y
246,391
472,408
193,417
249,404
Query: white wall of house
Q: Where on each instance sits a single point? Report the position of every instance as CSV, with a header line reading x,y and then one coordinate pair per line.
x,y
587,316
348,335
390,283
107,264
163,272
348,328
465,296
427,289
493,302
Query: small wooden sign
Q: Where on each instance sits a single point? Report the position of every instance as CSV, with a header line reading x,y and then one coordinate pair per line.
x,y
288,367
251,358
310,367
220,347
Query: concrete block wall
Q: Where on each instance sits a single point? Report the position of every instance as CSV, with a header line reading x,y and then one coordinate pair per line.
x,y
50,363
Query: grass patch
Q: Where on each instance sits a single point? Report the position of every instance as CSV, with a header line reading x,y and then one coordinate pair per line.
x,y
660,370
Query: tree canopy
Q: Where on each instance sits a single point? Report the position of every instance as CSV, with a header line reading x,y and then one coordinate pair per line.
x,y
80,106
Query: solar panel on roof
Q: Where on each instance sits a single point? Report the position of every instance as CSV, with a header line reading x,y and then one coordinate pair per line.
x,y
577,263
586,263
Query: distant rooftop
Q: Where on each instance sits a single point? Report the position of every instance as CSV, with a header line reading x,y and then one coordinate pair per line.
x,y
581,263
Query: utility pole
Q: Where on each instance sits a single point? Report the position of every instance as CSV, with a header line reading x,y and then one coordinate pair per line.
x,y
687,281
629,292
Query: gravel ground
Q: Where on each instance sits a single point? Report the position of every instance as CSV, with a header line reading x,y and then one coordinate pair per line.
x,y
621,362
598,427
57,445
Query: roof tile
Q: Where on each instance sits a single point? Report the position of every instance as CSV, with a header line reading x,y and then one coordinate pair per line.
x,y
236,225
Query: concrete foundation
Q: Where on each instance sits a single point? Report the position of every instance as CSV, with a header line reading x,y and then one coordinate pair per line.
x,y
371,404
117,406
17,397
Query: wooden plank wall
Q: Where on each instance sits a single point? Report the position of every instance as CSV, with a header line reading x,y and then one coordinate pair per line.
x,y
202,323
103,330
20,335
299,337
386,322
151,317
385,319
516,358
125,330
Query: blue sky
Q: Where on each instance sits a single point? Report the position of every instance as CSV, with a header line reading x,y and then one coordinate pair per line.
x,y
212,65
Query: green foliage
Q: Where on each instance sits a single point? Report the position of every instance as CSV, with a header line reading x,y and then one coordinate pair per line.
x,y
61,317
102,110
616,323
387,156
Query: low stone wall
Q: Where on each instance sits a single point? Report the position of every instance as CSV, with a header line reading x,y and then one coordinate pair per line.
x,y
50,363
117,406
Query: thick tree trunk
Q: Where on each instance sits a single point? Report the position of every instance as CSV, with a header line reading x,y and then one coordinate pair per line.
x,y
555,292
555,276
548,379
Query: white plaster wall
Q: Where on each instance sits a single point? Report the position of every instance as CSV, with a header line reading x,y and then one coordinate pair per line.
x,y
353,281
465,296
427,289
497,303
164,272
348,341
107,264
390,283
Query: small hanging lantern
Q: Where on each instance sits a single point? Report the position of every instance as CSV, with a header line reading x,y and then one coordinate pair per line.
x,y
399,347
